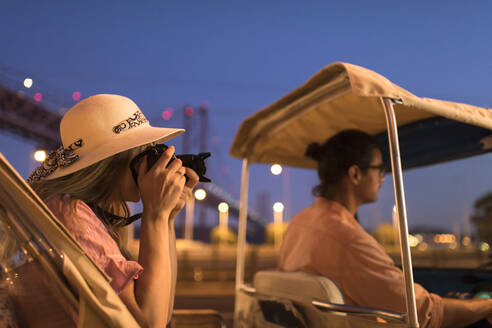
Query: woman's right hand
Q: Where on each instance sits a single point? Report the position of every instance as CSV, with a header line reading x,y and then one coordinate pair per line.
x,y
161,187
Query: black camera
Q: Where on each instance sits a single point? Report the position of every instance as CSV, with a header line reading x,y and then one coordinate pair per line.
x,y
152,153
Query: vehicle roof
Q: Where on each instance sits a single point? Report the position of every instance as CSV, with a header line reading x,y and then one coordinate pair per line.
x,y
345,96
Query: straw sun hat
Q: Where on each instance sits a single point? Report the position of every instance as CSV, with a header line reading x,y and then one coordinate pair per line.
x,y
96,128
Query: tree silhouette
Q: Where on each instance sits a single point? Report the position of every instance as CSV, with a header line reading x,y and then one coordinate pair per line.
x,y
482,218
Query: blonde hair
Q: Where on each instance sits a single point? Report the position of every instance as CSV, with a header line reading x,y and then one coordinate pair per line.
x,y
99,184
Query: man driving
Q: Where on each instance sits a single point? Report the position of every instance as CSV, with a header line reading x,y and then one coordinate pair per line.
x,y
326,239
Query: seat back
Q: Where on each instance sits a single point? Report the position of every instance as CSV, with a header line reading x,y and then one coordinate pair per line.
x,y
285,299
297,286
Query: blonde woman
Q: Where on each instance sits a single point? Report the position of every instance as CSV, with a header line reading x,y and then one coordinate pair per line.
x,y
87,182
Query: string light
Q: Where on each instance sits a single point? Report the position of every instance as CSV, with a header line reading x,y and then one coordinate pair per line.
x,y
28,82
189,111
167,114
76,96
38,96
39,155
276,169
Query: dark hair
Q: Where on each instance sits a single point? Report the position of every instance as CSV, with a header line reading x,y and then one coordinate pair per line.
x,y
337,154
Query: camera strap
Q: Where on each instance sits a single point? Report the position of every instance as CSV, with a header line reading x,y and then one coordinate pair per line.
x,y
113,219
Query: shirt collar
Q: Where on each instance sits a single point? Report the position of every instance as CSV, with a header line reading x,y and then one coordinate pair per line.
x,y
336,207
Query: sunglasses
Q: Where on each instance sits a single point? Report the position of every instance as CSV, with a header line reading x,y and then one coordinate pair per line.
x,y
381,168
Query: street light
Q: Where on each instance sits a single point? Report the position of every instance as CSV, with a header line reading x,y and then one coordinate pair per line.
x,y
223,207
276,169
200,194
39,155
223,214
278,209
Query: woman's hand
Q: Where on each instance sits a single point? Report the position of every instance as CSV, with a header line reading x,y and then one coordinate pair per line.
x,y
187,191
161,187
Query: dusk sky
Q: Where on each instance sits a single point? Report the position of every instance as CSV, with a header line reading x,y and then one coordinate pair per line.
x,y
242,56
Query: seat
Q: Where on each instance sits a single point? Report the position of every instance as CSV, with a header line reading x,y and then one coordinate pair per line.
x,y
298,299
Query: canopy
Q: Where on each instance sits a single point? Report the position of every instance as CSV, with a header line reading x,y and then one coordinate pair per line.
x,y
345,96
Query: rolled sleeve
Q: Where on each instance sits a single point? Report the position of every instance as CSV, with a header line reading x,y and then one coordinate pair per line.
x,y
122,271
375,281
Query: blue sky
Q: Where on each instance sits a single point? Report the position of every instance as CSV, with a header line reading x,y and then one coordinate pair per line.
x,y
241,56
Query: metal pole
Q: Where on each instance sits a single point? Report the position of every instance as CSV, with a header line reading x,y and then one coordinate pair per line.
x,y
241,234
189,218
186,136
203,110
401,212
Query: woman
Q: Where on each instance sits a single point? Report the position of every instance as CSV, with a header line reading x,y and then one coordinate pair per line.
x,y
91,174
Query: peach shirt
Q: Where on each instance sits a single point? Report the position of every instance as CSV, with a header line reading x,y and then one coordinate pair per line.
x,y
325,239
95,239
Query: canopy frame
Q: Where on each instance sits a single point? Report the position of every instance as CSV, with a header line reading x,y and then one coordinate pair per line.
x,y
396,170
243,215
392,129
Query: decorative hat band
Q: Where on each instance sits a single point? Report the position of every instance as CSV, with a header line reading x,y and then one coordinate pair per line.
x,y
62,157
135,120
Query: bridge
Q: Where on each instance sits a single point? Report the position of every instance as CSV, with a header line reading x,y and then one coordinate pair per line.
x,y
21,116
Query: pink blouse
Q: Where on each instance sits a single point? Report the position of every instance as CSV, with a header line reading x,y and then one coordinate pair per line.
x,y
95,239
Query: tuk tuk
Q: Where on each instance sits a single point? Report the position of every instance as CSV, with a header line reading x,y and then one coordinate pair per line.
x,y
47,279
345,96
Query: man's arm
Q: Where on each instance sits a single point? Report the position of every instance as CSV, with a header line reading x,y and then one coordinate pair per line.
x,y
460,313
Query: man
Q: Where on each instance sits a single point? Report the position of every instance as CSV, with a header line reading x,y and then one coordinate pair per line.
x,y
326,239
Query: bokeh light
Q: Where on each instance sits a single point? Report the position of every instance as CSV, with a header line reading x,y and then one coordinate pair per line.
x,y
189,111
28,82
38,96
204,104
278,207
412,240
276,169
200,194
39,155
223,207
423,246
215,140
444,238
167,114
76,96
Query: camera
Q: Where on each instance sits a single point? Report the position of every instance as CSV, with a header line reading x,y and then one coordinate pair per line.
x,y
153,153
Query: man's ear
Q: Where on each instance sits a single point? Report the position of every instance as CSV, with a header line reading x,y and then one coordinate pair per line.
x,y
354,174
